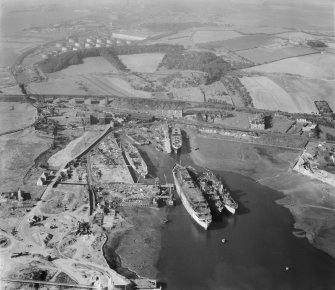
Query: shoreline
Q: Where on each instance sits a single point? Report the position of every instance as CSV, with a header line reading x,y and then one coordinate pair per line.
x,y
308,200
134,251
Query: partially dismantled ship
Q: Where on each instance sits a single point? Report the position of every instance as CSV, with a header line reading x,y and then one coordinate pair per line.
x,y
191,196
209,188
134,158
210,184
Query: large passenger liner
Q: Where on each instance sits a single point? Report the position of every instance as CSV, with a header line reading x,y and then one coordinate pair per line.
x,y
191,196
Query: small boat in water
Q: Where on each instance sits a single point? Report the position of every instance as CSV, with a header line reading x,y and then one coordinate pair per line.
x,y
224,241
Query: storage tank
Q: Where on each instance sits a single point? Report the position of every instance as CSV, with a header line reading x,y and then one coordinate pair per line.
x,y
99,40
58,44
77,44
64,49
71,40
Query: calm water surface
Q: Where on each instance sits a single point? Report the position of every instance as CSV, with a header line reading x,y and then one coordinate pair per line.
x,y
260,245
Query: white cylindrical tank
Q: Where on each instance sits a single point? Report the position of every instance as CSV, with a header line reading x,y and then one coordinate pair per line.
x,y
98,40
71,40
108,41
44,56
64,48
58,44
77,44
98,45
89,40
75,48
87,45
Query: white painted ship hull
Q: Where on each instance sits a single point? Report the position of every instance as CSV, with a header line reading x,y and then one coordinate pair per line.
x,y
230,209
187,205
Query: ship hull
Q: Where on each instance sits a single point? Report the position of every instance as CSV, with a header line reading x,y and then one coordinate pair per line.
x,y
187,205
230,209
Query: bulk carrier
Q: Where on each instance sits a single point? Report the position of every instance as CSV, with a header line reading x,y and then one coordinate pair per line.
x,y
176,139
191,196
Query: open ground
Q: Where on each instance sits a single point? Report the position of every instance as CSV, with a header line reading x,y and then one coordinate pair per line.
x,y
142,62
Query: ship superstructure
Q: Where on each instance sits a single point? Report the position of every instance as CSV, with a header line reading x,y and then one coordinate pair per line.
x,y
209,186
191,196
209,179
134,158
176,139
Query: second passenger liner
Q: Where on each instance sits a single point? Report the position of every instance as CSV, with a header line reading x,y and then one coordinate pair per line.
x,y
191,196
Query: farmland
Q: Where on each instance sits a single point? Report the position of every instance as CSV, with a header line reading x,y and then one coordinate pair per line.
x,y
203,36
307,90
319,66
261,55
241,43
193,94
96,64
298,36
142,62
269,96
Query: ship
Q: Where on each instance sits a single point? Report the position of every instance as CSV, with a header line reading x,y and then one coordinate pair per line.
x,y
135,159
176,139
228,202
209,187
191,197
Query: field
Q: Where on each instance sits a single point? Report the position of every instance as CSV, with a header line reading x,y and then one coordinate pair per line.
x,y
261,55
318,66
17,154
88,84
192,94
269,96
91,65
142,62
202,36
241,43
22,115
298,36
307,90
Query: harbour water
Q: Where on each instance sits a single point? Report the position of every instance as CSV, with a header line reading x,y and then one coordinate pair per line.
x,y
261,251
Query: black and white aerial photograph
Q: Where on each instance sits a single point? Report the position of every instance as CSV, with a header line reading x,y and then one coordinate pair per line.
x,y
167,144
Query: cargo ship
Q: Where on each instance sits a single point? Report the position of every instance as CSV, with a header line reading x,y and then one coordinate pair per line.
x,y
135,159
228,202
209,187
191,197
176,139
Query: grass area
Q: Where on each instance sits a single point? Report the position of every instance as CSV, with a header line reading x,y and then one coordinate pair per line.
x,y
305,91
241,43
96,64
203,36
142,62
15,115
318,66
17,153
262,55
268,95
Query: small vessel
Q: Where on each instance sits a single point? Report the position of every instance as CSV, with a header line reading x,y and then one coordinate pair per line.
x,y
135,159
176,139
224,241
191,197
